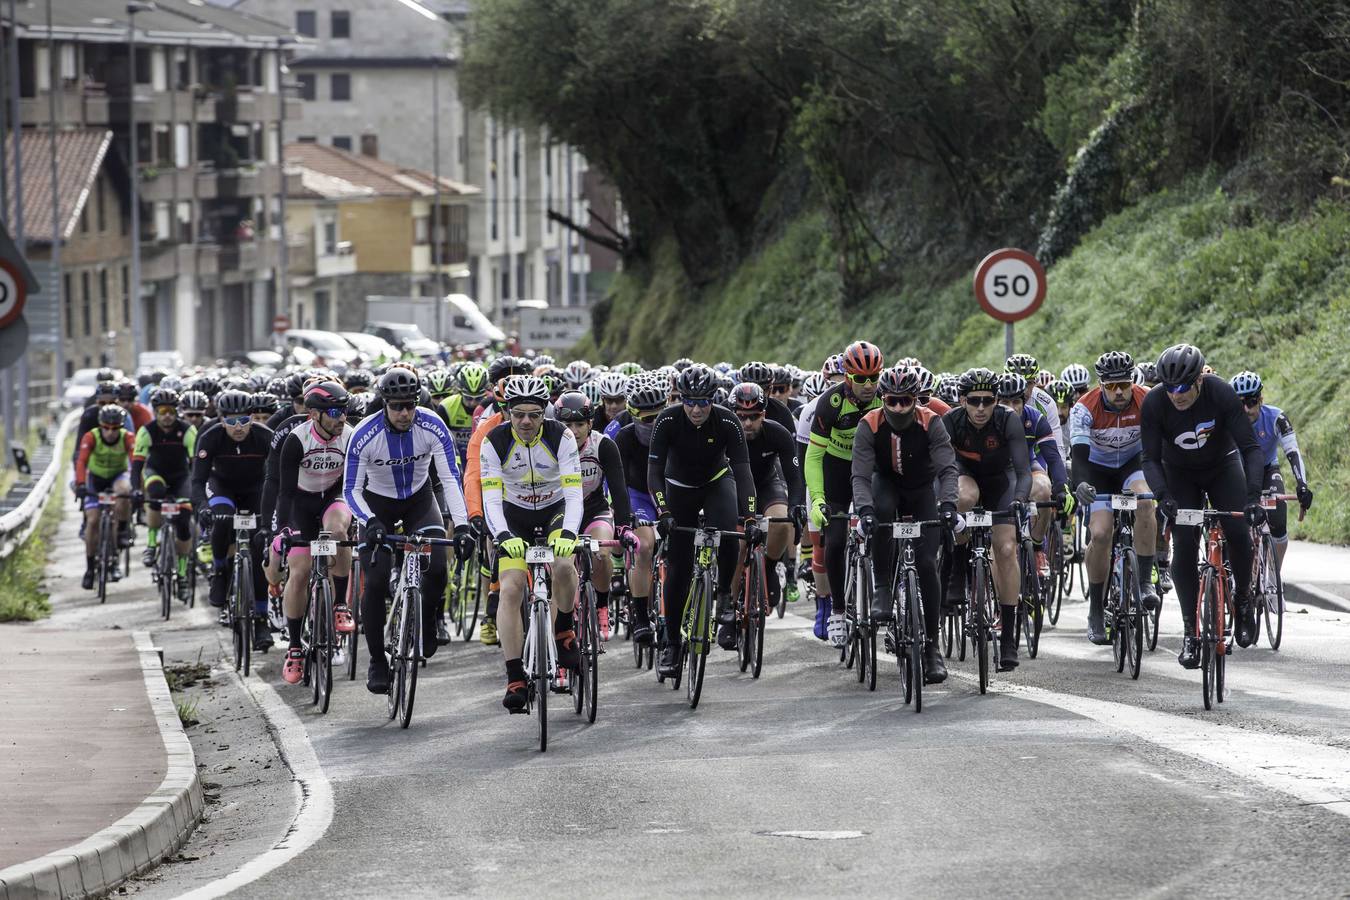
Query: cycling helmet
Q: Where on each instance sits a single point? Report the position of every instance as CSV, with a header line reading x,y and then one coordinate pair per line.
x,y
106,374
834,365
440,383
900,380
1147,373
193,402
357,404
1010,386
577,373
862,358
977,380
1077,376
722,368
747,397
112,415
105,390
325,395
1179,365
505,367
543,359
472,380
357,380
171,383
646,393
127,390
400,384
264,402
696,381
781,376
813,385
628,368
1247,384
295,385
1023,364
612,385
165,397
1115,365
757,373
574,406
592,390
927,380
1044,377
1060,391
682,363
948,391
525,389
234,403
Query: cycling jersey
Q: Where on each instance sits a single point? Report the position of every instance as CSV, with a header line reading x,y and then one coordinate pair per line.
x,y
999,446
89,422
632,441
602,466
234,468
937,405
460,422
1045,405
167,454
1111,436
1042,446
396,464
1199,438
309,464
272,471
686,455
530,476
1273,431
912,456
104,459
773,458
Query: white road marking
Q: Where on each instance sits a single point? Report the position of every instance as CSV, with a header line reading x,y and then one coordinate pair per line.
x,y
817,835
313,794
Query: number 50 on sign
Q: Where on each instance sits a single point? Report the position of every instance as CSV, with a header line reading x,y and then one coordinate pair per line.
x,y
1009,284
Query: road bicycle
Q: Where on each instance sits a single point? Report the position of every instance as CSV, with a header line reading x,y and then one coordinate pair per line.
x,y
905,634
1122,605
1267,585
700,609
752,607
165,574
585,684
859,648
540,656
980,625
403,630
240,605
106,557
1212,601
1035,593
320,639
465,588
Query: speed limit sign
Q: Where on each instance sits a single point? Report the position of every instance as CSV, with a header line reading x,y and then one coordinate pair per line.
x,y
1010,284
12,293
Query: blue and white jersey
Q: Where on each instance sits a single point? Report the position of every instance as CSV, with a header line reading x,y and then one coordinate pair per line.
x,y
1274,432
396,464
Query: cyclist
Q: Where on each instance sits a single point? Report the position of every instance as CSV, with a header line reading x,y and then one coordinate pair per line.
x,y
105,394
192,409
1048,478
128,395
899,453
227,476
1105,436
694,447
646,398
387,480
295,394
1274,432
810,553
613,401
829,478
309,500
532,480
1198,444
777,411
458,409
601,471
1025,364
994,471
1078,378
1064,398
779,486
161,462
102,460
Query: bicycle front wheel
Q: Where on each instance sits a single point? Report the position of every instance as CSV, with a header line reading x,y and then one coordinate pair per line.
x,y
982,607
590,660
322,637
409,653
543,630
1272,594
244,611
914,620
1054,594
1205,614
696,650
1133,636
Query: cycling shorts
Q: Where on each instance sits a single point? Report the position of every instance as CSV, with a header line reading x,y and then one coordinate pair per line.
x,y
159,487
644,508
1112,481
308,510
525,523
97,483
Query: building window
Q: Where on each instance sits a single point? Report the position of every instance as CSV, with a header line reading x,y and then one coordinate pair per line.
x,y
370,145
306,24
322,302
126,297
84,219
330,239
515,181
421,230
68,298
308,89
306,139
340,86
99,206
84,304
342,24
103,299
144,70
342,141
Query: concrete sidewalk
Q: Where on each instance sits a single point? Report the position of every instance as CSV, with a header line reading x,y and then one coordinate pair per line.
x,y
97,779
1318,575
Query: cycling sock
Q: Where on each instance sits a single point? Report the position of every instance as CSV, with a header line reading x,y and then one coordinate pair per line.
x,y
1007,622
493,598
515,670
152,538
771,579
340,588
1145,569
89,561
182,566
565,622
640,608
1095,593
602,599
296,628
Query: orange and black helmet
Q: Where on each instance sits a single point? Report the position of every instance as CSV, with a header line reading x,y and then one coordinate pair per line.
x,y
862,358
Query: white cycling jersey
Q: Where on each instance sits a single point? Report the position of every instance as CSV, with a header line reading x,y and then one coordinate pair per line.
x,y
1045,405
397,464
531,476
321,461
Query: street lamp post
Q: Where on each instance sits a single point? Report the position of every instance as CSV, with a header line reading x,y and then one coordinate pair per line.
x,y
137,310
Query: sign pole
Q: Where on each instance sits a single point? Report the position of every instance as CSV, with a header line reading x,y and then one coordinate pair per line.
x,y
1007,340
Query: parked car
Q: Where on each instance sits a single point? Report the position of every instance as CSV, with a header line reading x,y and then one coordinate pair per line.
x,y
408,338
256,358
168,360
79,389
375,349
329,348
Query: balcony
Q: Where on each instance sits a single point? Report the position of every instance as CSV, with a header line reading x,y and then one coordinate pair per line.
x,y
299,254
248,104
341,261
75,105
257,179
245,260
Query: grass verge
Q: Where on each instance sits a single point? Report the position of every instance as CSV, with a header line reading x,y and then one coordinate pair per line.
x,y
23,598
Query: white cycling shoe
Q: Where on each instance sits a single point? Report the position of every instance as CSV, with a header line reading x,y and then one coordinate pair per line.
x,y
834,630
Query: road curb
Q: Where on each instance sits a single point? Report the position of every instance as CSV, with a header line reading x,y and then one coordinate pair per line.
x,y
140,839
1315,596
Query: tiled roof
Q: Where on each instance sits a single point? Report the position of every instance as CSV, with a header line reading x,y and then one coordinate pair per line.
x,y
79,156
382,178
170,21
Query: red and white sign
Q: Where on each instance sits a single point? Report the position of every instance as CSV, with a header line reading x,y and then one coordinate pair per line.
x,y
281,324
13,292
1010,284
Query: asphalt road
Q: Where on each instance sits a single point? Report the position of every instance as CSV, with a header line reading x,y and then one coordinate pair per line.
x,y
1068,780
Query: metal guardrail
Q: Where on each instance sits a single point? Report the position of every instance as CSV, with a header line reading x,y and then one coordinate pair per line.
x,y
18,524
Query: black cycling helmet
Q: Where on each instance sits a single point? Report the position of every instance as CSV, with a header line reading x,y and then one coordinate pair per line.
x,y
263,402
207,385
1148,373
1115,365
747,397
697,381
295,386
902,380
357,379
163,397
1023,364
1010,386
325,395
127,390
400,384
574,406
105,390
106,374
112,415
1180,365
647,393
757,373
781,376
683,363
234,403
505,366
977,380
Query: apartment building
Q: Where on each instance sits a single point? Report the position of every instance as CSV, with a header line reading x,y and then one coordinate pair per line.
x,y
204,93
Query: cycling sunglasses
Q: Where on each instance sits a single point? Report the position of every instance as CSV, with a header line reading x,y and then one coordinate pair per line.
x,y
980,401
1178,388
900,401
864,379
1252,402
523,415
749,416
401,406
646,418
780,388
1117,385
165,410
697,402
236,420
335,412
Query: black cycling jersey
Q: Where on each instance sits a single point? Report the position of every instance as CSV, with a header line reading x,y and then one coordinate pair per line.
x,y
166,454
686,455
776,443
634,455
602,468
235,465
910,457
287,411
997,447
272,471
778,411
1199,438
